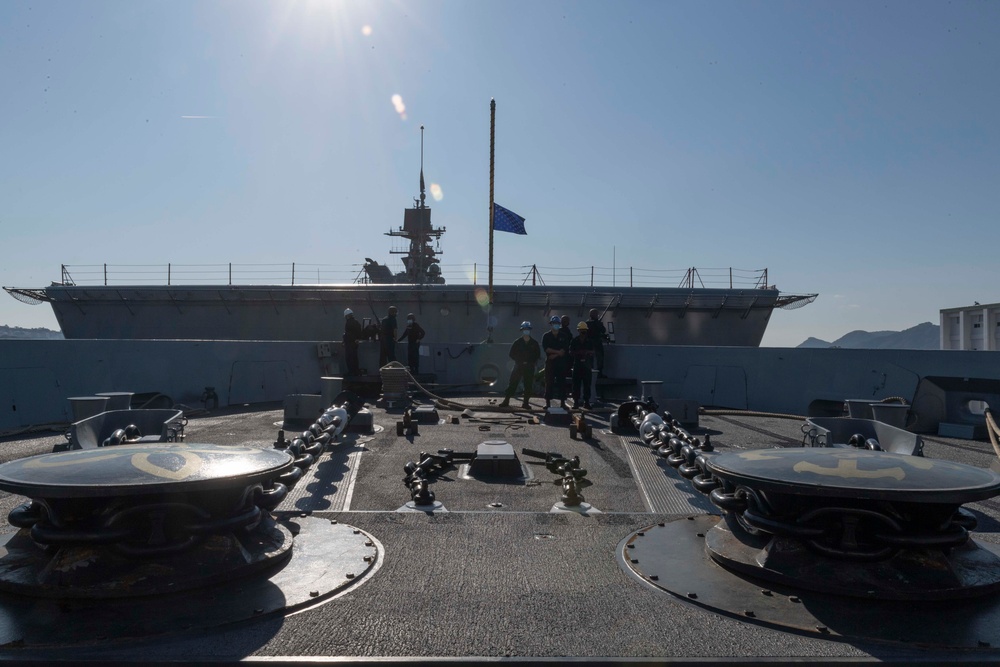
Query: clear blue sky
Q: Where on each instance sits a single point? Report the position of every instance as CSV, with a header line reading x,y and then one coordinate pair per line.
x,y
853,148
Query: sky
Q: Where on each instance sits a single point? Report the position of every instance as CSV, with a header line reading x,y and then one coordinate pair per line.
x,y
851,147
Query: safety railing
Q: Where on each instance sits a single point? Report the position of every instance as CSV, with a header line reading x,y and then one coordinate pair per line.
x,y
329,274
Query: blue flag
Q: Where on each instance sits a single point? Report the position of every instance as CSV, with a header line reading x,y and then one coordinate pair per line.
x,y
507,221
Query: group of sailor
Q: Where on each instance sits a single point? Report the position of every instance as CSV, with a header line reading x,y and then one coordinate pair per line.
x,y
387,330
566,357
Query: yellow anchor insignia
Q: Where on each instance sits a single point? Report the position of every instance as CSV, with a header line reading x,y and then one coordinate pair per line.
x,y
848,469
759,455
42,462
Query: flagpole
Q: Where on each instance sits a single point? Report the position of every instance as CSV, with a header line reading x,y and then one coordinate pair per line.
x,y
493,122
489,310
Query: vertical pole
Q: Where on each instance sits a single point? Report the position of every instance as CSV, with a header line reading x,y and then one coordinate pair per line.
x,y
168,274
591,275
614,265
474,270
489,307
493,121
105,275
630,276
230,274
293,273
730,277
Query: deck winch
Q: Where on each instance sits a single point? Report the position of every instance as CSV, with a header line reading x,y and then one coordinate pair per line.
x,y
807,532
172,524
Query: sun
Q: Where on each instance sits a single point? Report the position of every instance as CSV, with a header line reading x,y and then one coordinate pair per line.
x,y
320,24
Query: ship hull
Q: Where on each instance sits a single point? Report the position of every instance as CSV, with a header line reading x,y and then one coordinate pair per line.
x,y
449,313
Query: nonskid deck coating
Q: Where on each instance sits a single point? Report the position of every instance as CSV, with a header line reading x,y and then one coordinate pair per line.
x,y
514,580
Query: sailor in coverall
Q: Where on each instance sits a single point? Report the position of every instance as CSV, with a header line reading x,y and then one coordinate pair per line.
x,y
525,352
387,352
581,351
556,347
567,363
352,334
598,334
413,333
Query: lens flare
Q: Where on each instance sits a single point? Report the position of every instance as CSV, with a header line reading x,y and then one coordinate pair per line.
x,y
436,192
397,102
366,31
482,298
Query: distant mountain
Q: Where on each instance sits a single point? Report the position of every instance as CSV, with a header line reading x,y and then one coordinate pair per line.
x,y
814,342
7,332
926,336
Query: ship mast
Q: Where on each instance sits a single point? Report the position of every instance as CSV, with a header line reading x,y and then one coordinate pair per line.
x,y
420,260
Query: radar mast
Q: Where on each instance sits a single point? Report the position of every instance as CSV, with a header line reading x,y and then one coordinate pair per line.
x,y
420,261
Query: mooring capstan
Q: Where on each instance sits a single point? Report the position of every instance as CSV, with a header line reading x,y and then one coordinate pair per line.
x,y
853,522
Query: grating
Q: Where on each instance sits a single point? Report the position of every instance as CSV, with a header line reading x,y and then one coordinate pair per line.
x,y
663,489
327,485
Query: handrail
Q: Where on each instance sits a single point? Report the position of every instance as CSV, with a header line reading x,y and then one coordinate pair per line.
x,y
297,273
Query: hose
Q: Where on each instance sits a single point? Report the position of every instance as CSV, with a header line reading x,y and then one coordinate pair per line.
x,y
994,431
442,402
747,413
781,415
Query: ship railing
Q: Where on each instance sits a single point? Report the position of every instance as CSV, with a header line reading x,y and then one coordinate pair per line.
x,y
296,273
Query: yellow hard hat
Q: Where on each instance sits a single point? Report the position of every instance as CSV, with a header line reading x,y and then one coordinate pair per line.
x,y
582,326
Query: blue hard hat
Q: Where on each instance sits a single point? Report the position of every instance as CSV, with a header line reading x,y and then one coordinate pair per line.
x,y
554,319
525,325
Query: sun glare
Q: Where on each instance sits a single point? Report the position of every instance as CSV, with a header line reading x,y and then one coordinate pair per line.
x,y
397,103
318,24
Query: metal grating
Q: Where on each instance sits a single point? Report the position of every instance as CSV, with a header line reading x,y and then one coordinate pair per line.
x,y
328,484
663,489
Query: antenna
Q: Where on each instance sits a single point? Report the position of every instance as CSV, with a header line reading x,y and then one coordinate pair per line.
x,y
422,195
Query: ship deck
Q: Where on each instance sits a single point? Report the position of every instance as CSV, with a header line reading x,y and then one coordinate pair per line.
x,y
499,575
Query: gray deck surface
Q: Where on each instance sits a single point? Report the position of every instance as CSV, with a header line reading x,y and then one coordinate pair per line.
x,y
499,575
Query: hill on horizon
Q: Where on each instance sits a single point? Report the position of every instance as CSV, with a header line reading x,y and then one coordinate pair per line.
x,y
925,336
7,332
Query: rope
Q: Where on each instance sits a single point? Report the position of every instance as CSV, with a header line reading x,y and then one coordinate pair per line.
x,y
994,431
780,415
442,402
748,413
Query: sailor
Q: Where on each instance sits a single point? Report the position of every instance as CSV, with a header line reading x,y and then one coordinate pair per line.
x,y
525,352
387,351
556,346
413,333
598,334
352,334
581,351
567,362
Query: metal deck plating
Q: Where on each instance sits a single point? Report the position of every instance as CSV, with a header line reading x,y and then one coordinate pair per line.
x,y
672,557
500,575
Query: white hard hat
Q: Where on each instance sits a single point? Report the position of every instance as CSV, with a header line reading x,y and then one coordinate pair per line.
x,y
348,311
